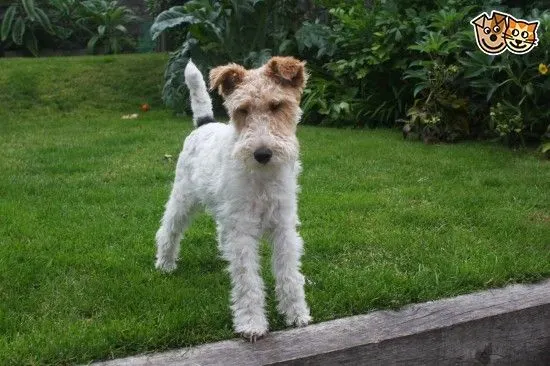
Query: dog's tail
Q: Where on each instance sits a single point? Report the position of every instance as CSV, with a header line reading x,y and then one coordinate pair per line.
x,y
201,104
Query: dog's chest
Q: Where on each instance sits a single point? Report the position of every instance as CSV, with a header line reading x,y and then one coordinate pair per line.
x,y
265,200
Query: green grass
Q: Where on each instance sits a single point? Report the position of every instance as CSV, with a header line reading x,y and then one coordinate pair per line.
x,y
62,85
385,222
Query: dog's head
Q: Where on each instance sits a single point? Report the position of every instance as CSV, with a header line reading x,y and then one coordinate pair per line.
x,y
264,107
490,32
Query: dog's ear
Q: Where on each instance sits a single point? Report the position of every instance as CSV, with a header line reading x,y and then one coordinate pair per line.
x,y
498,16
480,20
226,78
287,71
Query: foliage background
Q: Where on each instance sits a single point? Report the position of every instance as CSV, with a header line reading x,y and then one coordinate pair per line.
x,y
413,64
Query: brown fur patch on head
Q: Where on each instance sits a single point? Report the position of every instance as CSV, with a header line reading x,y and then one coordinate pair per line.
x,y
283,112
266,97
287,71
280,110
226,78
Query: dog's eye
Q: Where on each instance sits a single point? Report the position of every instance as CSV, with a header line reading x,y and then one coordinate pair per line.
x,y
515,32
486,30
524,34
275,106
496,29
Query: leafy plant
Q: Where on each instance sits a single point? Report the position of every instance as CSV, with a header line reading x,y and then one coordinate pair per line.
x,y
439,113
64,15
105,22
155,7
217,32
21,22
320,106
514,86
361,49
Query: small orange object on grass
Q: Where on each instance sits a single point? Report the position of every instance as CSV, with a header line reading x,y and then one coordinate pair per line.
x,y
145,107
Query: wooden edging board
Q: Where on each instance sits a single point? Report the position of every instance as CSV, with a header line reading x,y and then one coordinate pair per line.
x,y
501,326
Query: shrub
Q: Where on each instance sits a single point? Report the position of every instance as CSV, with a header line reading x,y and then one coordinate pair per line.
x,y
99,24
389,63
106,22
217,32
514,87
441,110
22,20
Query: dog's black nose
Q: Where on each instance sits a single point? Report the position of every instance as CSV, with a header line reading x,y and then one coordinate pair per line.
x,y
262,155
493,37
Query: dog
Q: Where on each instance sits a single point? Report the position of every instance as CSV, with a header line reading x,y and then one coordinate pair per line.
x,y
245,174
490,32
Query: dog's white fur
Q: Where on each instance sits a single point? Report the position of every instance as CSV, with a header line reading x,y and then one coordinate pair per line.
x,y
248,200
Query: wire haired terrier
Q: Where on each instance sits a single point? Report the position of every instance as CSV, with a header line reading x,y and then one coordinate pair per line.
x,y
245,174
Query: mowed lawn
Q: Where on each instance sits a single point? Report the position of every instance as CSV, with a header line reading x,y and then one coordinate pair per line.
x,y
386,222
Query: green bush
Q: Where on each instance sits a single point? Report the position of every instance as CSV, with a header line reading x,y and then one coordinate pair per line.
x,y
389,64
99,24
486,96
378,63
21,23
514,89
105,22
217,32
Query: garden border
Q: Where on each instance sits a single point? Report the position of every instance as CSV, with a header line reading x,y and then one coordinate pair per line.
x,y
500,326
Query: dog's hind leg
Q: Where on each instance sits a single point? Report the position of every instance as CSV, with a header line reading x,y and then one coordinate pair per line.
x,y
179,209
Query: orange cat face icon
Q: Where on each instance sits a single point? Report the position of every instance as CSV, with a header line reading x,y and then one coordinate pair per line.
x,y
490,31
520,35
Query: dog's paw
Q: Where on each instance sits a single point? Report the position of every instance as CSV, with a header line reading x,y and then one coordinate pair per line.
x,y
299,320
252,329
253,337
165,266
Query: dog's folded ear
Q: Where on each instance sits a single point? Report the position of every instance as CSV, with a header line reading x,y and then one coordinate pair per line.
x,y
498,16
480,20
287,71
226,78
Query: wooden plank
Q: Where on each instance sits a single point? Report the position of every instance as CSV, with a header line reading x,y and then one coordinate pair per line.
x,y
501,326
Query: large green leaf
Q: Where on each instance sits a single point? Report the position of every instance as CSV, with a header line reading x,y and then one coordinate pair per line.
x,y
18,31
31,43
169,19
9,16
30,9
44,21
63,32
92,43
122,28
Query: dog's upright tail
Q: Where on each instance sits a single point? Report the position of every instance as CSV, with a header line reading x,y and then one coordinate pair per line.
x,y
201,104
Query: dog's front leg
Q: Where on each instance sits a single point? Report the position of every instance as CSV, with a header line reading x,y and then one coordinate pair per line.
x,y
287,250
240,248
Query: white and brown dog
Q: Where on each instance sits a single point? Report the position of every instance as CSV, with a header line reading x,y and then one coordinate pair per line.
x,y
245,174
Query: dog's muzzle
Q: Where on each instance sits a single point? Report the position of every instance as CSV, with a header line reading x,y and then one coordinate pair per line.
x,y
263,155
